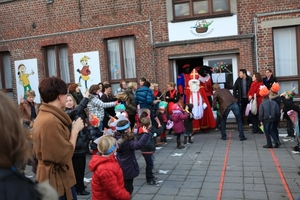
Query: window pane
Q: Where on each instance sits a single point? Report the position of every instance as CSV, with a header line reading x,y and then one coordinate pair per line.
x,y
114,87
129,57
51,61
114,59
225,67
200,7
182,9
288,85
220,5
64,64
285,52
7,71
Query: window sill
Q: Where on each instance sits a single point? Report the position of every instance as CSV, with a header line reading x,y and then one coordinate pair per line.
x,y
5,1
202,17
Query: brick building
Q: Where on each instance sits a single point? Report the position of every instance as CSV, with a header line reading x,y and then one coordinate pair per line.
x,y
129,39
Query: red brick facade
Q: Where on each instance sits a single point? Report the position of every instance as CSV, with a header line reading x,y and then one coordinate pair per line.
x,y
27,26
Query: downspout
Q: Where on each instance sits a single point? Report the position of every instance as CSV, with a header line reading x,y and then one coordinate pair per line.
x,y
255,27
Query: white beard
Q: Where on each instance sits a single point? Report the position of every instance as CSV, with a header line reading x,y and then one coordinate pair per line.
x,y
194,88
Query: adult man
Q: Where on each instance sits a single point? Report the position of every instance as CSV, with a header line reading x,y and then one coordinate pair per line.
x,y
183,81
269,79
122,87
227,103
241,88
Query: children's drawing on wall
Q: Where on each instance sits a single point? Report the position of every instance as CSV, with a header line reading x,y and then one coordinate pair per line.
x,y
27,78
86,69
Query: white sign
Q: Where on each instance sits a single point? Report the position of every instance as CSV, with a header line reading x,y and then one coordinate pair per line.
x,y
27,78
86,69
219,77
208,28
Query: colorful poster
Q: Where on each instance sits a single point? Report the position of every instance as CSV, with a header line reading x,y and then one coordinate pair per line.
x,y
86,69
27,78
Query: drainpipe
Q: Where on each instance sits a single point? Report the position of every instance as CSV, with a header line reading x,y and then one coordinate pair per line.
x,y
255,27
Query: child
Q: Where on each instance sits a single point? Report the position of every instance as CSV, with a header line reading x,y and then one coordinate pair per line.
x,y
149,148
188,124
28,108
268,114
107,180
178,115
163,118
273,95
126,154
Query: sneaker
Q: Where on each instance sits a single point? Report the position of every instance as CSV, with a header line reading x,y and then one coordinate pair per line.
x,y
151,182
250,125
243,138
287,137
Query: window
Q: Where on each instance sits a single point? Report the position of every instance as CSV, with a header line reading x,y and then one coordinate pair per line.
x,y
121,60
286,57
56,62
196,8
5,74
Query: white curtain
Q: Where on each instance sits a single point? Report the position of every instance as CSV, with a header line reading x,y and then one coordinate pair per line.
x,y
114,59
285,52
7,71
129,57
51,61
64,64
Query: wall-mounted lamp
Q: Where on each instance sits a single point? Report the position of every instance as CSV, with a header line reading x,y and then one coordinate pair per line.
x,y
49,1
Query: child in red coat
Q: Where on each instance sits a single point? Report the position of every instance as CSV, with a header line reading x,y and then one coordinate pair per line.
x,y
178,116
107,181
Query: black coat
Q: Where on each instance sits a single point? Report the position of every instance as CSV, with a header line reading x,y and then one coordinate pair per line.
x,y
288,105
268,83
126,156
15,186
149,146
238,87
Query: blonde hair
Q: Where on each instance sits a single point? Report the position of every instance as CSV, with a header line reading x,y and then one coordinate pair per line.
x,y
13,146
73,99
145,122
105,143
216,86
131,85
30,93
172,84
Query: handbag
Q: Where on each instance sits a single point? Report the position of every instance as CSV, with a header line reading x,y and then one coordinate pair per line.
x,y
254,106
248,108
169,124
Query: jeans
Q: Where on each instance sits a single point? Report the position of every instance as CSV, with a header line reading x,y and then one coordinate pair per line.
x,y
74,194
149,166
100,127
269,131
236,111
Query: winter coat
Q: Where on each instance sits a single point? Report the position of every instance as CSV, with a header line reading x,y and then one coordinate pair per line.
x,y
94,133
254,89
268,111
238,88
177,118
149,147
160,118
107,180
288,105
83,138
130,103
126,156
224,98
96,106
144,97
53,150
277,99
172,99
25,111
268,83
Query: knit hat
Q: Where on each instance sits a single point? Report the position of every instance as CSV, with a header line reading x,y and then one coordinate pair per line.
x,y
176,107
263,91
93,120
120,108
275,87
162,105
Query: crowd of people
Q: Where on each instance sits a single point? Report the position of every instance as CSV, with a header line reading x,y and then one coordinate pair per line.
x,y
111,126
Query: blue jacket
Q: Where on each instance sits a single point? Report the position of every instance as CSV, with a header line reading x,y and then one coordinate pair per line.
x,y
126,156
144,97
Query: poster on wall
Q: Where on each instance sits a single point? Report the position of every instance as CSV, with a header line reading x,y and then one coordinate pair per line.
x,y
27,78
86,69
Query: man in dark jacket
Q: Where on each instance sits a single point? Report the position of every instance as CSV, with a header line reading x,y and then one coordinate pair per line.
x,y
227,103
240,90
269,79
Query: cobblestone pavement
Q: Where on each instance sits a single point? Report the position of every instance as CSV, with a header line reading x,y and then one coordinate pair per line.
x,y
212,168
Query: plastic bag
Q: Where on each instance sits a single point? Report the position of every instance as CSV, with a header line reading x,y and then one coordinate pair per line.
x,y
169,124
254,106
248,108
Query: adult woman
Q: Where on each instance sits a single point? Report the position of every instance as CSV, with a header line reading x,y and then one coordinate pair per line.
x,y
14,149
75,92
257,81
172,96
82,142
130,103
107,97
54,142
101,90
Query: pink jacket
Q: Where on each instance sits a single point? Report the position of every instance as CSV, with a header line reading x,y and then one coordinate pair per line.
x,y
178,118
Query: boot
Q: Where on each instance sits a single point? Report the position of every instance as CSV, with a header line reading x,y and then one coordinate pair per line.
x,y
179,145
158,142
190,139
184,139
